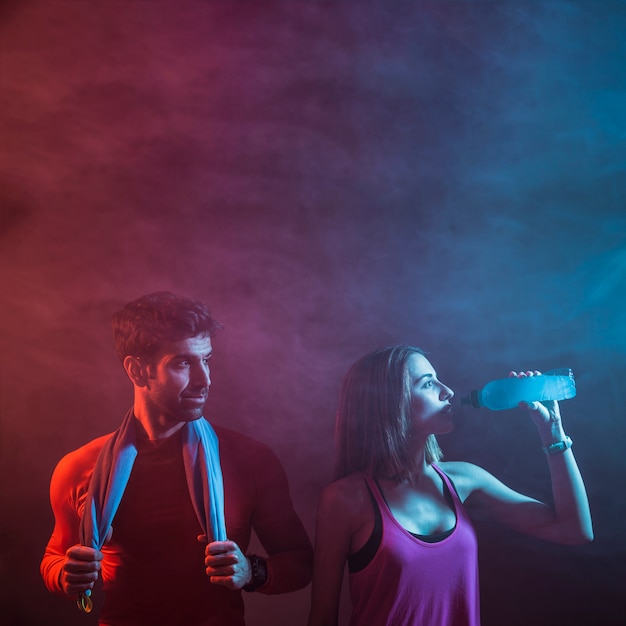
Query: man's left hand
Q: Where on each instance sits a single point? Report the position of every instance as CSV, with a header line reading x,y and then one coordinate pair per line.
x,y
227,565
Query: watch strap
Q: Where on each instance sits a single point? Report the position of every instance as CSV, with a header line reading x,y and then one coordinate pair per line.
x,y
558,447
258,578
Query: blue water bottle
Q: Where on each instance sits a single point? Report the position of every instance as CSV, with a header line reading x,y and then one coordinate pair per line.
x,y
507,393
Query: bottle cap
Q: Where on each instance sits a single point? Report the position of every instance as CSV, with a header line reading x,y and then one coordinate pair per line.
x,y
471,400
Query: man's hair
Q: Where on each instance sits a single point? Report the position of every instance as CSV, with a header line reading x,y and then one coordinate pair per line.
x,y
374,425
145,324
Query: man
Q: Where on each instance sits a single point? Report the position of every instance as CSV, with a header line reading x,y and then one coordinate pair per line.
x,y
162,509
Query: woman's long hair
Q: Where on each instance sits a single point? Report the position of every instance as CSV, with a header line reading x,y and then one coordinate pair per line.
x,y
374,424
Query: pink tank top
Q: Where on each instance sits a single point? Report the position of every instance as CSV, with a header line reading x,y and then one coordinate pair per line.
x,y
410,582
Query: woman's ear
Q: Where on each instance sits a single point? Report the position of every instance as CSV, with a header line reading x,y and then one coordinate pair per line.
x,y
136,371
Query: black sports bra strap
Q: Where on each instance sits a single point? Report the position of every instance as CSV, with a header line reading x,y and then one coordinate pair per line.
x,y
359,560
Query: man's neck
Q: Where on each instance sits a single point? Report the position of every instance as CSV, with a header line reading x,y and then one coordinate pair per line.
x,y
154,427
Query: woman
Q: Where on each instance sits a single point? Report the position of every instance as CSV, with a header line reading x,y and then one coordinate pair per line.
x,y
400,518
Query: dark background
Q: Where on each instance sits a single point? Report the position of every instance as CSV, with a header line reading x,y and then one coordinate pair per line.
x,y
329,177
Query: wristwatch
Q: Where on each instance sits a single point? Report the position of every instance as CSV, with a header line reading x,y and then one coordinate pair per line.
x,y
558,447
259,573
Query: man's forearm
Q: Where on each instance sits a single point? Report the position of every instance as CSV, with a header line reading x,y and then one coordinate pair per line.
x,y
50,569
289,570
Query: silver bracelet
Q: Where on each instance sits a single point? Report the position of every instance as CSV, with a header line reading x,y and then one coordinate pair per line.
x,y
558,447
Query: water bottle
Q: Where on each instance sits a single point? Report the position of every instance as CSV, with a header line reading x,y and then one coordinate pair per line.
x,y
507,393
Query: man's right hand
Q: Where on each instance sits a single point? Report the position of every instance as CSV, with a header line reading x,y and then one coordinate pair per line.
x,y
80,570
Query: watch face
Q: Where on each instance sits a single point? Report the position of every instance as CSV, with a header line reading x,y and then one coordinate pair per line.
x,y
262,570
559,446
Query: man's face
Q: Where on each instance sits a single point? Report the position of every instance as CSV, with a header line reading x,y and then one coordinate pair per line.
x,y
179,379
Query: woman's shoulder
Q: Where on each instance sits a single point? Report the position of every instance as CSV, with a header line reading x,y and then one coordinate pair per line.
x,y
467,477
460,469
345,512
348,494
356,481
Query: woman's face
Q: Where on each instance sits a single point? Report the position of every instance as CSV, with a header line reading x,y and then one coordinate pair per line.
x,y
430,398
